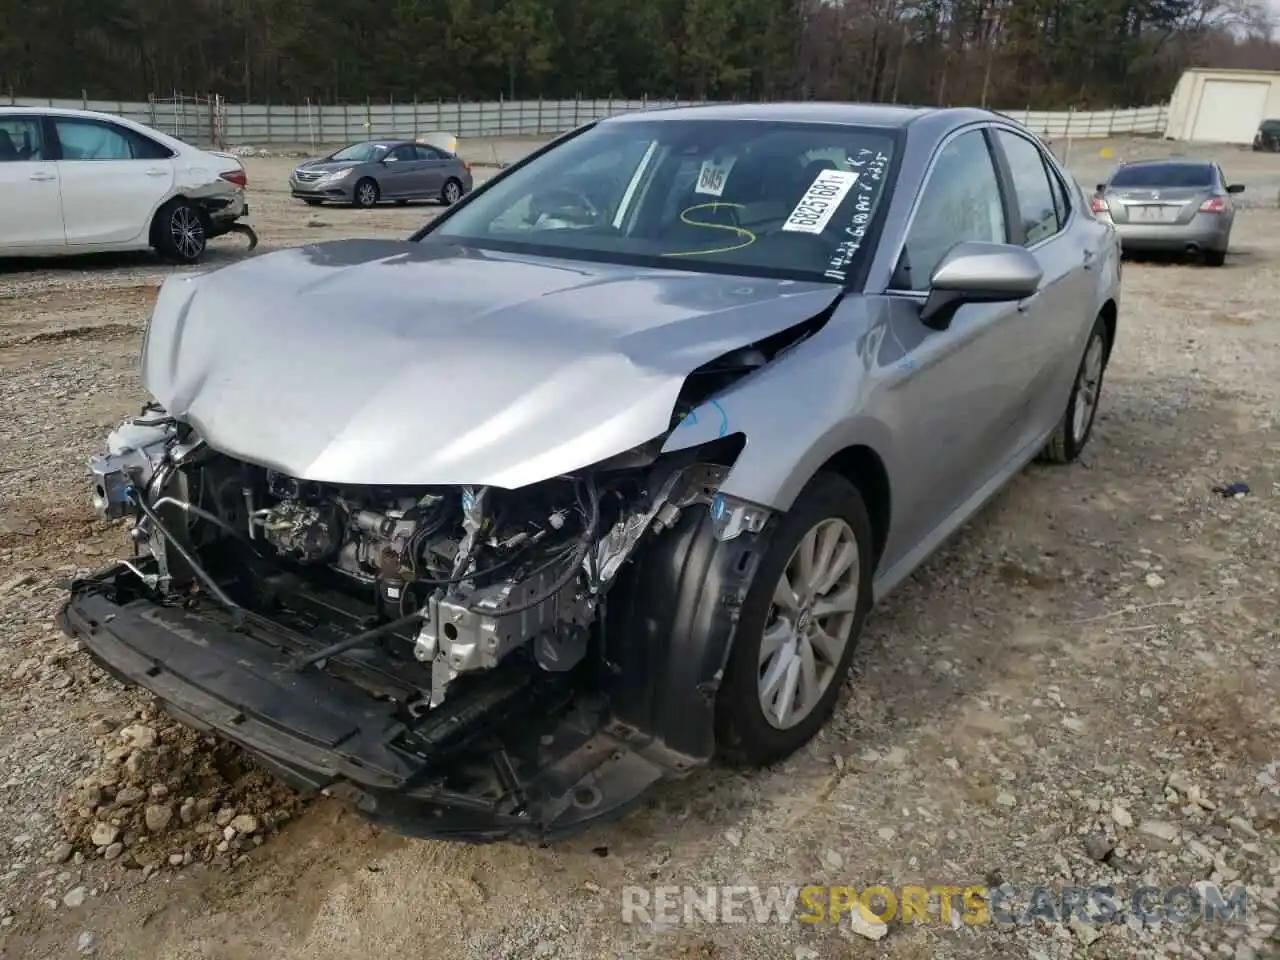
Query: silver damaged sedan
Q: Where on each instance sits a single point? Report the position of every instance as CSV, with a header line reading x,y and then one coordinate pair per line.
x,y
596,476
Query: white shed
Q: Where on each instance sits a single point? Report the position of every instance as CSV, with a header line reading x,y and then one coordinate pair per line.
x,y
1222,106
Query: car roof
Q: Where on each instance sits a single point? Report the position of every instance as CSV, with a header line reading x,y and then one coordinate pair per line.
x,y
853,114
62,112
167,139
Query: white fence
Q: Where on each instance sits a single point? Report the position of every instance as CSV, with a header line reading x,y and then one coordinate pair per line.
x,y
203,120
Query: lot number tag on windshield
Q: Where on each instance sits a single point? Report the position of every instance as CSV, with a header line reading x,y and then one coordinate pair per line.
x,y
819,203
712,176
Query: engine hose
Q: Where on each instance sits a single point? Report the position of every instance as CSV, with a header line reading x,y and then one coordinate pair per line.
x,y
578,555
358,640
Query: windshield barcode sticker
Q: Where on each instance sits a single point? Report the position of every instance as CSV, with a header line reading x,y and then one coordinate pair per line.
x,y
820,201
712,176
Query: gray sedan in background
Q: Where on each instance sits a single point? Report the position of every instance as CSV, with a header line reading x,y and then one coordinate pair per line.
x,y
365,174
1170,206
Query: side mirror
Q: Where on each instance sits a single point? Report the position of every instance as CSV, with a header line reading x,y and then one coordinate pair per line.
x,y
978,272
1235,188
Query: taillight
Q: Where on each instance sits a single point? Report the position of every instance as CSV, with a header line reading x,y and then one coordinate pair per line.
x,y
466,166
238,177
1098,205
1213,205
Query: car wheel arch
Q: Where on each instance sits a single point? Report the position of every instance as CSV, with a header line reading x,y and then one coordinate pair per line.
x,y
865,469
1110,314
163,204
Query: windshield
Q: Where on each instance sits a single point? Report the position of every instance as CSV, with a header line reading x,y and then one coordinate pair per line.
x,y
790,200
363,152
1164,175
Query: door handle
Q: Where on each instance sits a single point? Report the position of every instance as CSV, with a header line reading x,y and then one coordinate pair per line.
x,y
155,172
42,175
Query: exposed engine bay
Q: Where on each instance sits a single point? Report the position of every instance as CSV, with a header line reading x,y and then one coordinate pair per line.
x,y
457,578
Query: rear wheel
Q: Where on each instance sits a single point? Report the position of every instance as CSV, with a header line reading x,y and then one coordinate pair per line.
x,y
1215,258
799,626
179,232
366,193
1076,425
451,193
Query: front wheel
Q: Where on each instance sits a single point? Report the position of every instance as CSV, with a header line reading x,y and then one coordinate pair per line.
x,y
366,193
1076,425
179,233
799,626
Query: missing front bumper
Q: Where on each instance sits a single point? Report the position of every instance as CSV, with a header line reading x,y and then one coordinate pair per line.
x,y
517,756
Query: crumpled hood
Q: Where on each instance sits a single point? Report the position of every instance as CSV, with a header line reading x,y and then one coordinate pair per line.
x,y
392,362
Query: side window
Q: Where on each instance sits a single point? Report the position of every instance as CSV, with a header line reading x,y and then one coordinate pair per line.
x,y
95,140
400,153
1061,198
430,153
21,138
961,201
1037,205
144,148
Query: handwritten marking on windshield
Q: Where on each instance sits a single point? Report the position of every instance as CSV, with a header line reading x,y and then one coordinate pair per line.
x,y
740,232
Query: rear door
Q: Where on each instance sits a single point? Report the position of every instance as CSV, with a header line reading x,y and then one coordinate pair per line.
x,y
1063,310
113,180
435,170
31,209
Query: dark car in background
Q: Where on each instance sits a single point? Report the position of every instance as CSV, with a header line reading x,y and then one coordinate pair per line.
x,y
1267,139
1170,206
371,172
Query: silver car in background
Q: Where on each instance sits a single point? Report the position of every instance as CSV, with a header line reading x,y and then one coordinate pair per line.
x,y
1170,206
368,173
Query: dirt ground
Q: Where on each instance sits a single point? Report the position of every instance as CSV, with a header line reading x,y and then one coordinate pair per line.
x,y
1082,688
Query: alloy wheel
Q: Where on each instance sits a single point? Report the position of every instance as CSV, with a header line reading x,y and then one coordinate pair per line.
x,y
452,193
368,194
1088,389
187,230
814,608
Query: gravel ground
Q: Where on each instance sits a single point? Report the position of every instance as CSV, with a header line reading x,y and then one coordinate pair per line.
x,y
1081,689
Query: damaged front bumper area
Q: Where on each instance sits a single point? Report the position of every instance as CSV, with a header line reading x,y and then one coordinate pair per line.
x,y
522,757
519,755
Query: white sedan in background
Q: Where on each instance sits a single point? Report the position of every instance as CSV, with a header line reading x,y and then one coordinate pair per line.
x,y
76,181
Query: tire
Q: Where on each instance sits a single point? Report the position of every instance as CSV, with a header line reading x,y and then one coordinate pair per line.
x,y
180,233
745,735
312,201
1215,258
1072,432
451,192
366,193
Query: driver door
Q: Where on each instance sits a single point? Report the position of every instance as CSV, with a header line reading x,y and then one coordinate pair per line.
x,y
955,402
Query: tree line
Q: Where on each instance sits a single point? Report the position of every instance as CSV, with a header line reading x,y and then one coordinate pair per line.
x,y
1043,54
